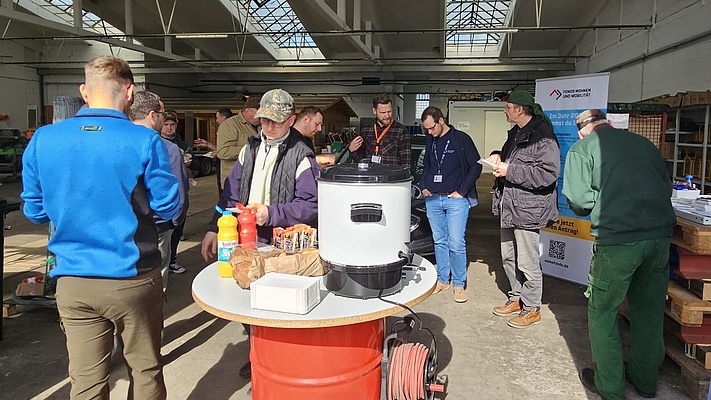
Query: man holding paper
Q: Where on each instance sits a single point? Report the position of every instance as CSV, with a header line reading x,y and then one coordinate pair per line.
x,y
449,186
527,170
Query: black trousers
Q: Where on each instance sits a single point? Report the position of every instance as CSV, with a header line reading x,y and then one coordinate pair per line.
x,y
174,240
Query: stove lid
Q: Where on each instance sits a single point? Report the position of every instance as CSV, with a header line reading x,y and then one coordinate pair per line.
x,y
365,172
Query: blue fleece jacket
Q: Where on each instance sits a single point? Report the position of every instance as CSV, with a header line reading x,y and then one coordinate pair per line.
x,y
462,156
100,179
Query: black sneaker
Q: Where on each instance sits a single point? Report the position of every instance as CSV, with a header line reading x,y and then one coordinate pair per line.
x,y
176,268
587,378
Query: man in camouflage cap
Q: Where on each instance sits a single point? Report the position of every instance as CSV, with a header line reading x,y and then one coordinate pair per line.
x,y
278,150
275,176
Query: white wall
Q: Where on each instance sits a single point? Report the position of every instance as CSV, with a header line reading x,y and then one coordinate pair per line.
x,y
20,87
71,51
485,122
673,56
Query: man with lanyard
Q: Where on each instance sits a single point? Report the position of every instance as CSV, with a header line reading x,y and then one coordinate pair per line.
x,y
387,142
449,186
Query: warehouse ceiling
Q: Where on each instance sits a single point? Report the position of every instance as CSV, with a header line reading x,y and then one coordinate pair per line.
x,y
223,47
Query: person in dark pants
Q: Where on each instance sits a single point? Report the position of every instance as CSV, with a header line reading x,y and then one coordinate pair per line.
x,y
449,186
221,115
620,180
169,132
148,110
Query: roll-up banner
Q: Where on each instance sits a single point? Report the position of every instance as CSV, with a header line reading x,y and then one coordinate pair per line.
x,y
566,247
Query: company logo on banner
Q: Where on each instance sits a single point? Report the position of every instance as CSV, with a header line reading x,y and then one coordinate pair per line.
x,y
566,247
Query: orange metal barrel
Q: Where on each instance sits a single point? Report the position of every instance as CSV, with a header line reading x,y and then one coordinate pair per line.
x,y
339,362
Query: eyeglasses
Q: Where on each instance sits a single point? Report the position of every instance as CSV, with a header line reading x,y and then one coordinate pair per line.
x,y
431,128
267,121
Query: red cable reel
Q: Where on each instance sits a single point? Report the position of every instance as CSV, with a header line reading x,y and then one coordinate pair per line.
x,y
409,369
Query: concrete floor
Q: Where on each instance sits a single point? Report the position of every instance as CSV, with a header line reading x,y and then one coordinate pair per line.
x,y
481,357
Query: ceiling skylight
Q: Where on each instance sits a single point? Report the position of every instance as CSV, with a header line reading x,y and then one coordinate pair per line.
x,y
277,17
63,11
463,15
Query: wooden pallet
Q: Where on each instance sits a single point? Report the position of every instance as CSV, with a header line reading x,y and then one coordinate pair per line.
x,y
12,306
699,352
692,236
8,309
685,307
700,287
693,377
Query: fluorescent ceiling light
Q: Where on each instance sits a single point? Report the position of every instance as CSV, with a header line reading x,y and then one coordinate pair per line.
x,y
485,30
202,36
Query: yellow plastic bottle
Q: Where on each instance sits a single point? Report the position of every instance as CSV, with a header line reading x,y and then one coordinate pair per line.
x,y
227,240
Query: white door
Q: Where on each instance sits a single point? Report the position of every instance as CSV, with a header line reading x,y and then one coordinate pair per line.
x,y
494,132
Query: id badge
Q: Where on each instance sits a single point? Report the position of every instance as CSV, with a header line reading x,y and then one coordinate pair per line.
x,y
438,178
376,159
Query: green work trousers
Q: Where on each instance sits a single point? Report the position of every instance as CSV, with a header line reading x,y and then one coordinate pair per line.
x,y
640,271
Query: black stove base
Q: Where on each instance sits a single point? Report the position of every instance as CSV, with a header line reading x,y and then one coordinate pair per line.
x,y
364,282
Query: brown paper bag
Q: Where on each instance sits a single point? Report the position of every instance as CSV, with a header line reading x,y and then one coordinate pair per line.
x,y
248,265
305,263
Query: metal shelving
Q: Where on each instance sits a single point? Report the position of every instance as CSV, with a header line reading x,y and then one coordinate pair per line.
x,y
685,146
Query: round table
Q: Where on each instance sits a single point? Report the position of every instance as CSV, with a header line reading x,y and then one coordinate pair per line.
x,y
334,351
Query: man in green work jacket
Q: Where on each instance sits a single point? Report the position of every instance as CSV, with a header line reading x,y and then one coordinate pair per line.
x,y
620,180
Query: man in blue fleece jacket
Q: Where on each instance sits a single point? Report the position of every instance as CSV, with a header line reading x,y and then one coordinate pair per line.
x,y
102,200
449,186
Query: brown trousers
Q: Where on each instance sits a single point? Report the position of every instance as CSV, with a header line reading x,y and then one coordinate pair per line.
x,y
90,309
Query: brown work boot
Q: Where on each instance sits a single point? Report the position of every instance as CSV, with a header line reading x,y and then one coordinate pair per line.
x,y
511,307
459,295
440,287
526,318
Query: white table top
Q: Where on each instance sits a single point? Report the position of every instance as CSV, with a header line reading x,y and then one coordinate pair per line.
x,y
224,298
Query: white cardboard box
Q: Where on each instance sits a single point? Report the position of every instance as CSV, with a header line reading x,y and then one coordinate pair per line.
x,y
285,293
685,194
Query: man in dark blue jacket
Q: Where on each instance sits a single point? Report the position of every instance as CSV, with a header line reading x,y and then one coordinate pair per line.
x,y
449,186
102,201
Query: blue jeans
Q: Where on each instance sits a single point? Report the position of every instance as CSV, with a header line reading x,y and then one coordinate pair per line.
x,y
448,219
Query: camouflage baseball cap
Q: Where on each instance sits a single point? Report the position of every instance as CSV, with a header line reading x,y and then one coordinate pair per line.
x,y
276,105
